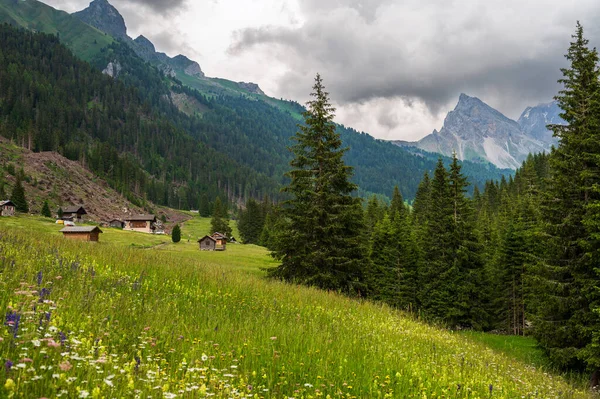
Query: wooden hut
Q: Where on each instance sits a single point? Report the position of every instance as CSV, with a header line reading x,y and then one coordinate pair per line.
x,y
82,233
116,223
207,243
221,241
141,223
7,208
74,213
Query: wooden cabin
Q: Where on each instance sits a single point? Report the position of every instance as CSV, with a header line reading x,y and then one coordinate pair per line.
x,y
7,208
141,223
82,233
221,241
74,213
116,223
207,243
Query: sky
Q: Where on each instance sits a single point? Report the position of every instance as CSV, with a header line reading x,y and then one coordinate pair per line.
x,y
393,68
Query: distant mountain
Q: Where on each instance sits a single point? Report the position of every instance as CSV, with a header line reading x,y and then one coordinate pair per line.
x,y
103,16
534,121
479,133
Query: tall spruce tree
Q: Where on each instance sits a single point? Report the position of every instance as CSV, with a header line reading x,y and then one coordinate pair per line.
x,y
220,219
251,222
18,196
321,243
204,206
397,205
46,210
566,324
383,271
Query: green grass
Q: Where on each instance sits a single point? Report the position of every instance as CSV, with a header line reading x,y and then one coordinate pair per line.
x,y
521,348
84,40
121,321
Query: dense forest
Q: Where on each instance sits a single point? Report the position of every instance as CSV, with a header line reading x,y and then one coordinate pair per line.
x,y
129,132
519,256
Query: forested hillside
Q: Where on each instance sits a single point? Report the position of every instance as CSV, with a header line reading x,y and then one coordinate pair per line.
x,y
131,132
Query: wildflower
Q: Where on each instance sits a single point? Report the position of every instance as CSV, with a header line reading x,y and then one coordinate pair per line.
x,y
53,344
12,321
204,357
8,365
63,337
84,394
9,385
36,342
65,366
273,338
44,293
39,278
109,382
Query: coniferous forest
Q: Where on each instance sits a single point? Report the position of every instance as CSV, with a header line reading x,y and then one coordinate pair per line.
x,y
520,256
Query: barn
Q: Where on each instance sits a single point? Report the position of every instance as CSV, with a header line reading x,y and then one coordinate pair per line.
x,y
74,213
116,223
207,243
82,233
142,223
7,208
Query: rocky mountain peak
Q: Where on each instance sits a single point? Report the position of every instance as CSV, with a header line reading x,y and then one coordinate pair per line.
x,y
103,16
144,43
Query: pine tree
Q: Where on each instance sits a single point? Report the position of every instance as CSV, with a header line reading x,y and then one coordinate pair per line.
x,y
204,206
566,324
220,220
46,210
383,271
407,263
60,213
397,206
176,234
251,222
321,243
374,214
2,188
18,196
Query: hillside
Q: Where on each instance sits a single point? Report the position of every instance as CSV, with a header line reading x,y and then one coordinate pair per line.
x,y
172,321
52,177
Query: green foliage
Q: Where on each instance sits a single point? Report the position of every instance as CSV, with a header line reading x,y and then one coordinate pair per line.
x,y
204,206
565,316
46,210
219,222
60,213
320,243
251,222
18,196
176,234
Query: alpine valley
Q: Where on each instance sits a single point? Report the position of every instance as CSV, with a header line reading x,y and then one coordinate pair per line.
x,y
175,134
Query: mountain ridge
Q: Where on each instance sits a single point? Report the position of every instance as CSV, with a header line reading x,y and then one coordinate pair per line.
x,y
478,132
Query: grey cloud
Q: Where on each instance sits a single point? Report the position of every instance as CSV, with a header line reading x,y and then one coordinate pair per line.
x,y
162,6
507,52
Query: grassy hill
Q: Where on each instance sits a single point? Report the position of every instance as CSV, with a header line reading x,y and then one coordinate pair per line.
x,y
116,319
62,182
82,39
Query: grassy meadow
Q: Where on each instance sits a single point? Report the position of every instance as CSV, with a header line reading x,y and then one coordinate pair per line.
x,y
138,316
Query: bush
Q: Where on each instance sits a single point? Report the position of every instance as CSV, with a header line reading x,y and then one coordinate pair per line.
x,y
176,234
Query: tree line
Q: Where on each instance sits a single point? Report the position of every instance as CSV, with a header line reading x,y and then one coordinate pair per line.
x,y
520,256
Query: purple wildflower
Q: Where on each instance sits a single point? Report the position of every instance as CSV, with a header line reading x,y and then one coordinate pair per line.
x,y
44,293
8,365
12,321
39,278
62,337
138,361
47,315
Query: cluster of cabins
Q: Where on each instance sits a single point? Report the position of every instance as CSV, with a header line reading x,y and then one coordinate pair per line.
x,y
140,223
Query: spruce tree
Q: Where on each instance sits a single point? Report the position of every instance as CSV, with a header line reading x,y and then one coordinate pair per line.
x,y
251,222
204,206
18,196
566,323
176,234
397,206
60,213
46,210
220,219
321,243
383,271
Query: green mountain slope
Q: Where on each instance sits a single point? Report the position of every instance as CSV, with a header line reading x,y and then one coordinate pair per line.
x,y
84,40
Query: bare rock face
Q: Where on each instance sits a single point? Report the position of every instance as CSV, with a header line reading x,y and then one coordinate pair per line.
x,y
251,87
167,70
194,70
113,69
477,132
103,16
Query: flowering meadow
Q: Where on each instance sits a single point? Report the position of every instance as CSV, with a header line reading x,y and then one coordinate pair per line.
x,y
85,320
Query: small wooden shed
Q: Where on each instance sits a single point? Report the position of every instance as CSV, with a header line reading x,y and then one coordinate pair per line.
x,y
82,233
119,224
141,223
74,213
221,241
207,243
7,208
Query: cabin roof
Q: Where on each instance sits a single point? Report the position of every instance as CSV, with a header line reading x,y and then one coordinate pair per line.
x,y
205,237
7,203
141,218
218,235
81,229
75,209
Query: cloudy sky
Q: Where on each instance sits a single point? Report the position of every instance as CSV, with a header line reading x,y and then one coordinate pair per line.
x,y
394,68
